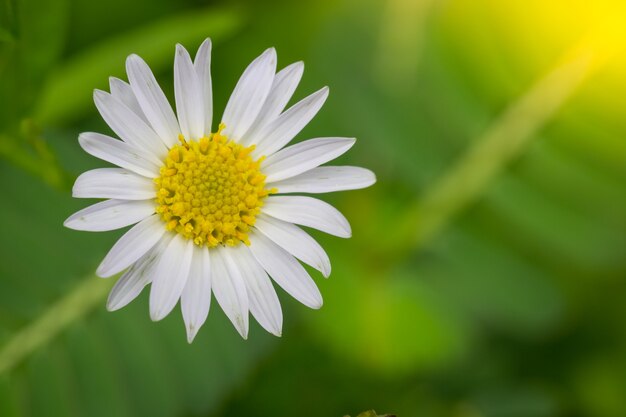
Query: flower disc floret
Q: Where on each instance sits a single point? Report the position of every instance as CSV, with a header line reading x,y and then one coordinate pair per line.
x,y
210,190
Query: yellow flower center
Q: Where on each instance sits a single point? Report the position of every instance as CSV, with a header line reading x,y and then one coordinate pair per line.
x,y
210,190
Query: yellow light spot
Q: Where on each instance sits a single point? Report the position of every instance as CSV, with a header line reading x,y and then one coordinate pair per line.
x,y
210,190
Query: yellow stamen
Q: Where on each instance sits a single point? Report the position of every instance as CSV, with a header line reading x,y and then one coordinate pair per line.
x,y
210,190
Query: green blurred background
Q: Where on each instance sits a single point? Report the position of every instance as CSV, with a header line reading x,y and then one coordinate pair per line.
x,y
486,275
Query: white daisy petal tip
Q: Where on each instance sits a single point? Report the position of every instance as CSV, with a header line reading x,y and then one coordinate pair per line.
x,y
99,95
326,270
127,288
76,188
157,315
180,52
113,81
276,331
270,53
323,93
72,222
366,177
296,68
192,332
116,83
270,56
242,326
133,58
275,326
207,43
372,178
104,270
101,272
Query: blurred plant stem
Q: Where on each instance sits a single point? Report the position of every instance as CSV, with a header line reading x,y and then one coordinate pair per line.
x,y
75,305
504,140
403,26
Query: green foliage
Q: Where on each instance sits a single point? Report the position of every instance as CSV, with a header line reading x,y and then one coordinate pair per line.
x,y
67,93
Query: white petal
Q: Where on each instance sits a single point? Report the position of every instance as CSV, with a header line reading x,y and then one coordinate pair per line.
x,y
202,64
285,127
122,91
113,183
189,96
110,215
196,297
304,156
229,289
128,126
264,304
285,270
283,87
118,153
170,276
308,211
295,241
132,246
133,281
327,179
249,95
152,100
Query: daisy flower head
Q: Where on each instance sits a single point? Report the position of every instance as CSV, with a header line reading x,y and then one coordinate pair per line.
x,y
213,211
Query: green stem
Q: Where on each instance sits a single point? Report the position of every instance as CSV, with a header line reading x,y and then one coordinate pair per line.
x,y
503,141
79,302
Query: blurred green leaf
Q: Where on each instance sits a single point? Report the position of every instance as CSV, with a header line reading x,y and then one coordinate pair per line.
x,y
483,279
369,312
6,36
34,33
68,92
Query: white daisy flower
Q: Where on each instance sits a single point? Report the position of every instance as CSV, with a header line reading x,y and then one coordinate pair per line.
x,y
210,213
